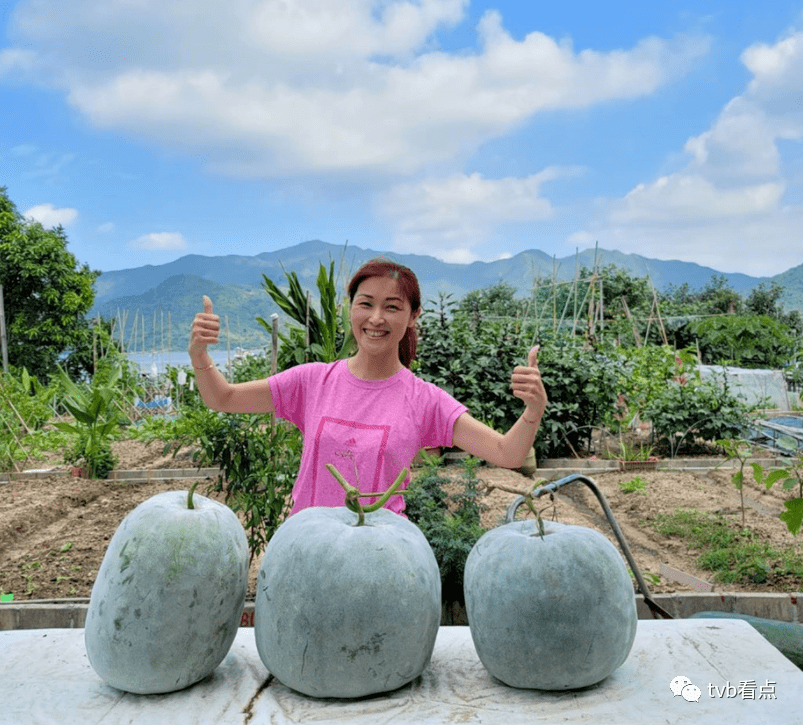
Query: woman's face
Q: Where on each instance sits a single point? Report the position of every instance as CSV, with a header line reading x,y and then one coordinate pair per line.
x,y
380,316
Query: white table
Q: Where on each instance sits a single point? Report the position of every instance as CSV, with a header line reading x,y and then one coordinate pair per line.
x,y
45,677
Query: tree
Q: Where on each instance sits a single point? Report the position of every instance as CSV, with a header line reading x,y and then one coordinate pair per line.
x,y
498,300
46,293
765,300
749,341
720,297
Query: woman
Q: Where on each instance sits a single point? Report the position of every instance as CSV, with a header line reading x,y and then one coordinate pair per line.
x,y
369,415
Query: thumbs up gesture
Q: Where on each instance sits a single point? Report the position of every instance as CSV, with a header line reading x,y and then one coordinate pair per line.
x,y
526,384
205,331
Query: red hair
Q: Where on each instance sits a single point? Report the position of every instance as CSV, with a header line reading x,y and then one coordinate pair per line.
x,y
408,286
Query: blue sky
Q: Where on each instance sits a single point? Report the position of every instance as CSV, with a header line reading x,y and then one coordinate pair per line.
x,y
463,130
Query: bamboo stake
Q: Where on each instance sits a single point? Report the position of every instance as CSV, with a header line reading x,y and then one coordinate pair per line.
x,y
134,330
568,299
632,321
658,313
601,304
274,354
578,310
306,330
576,284
3,338
19,443
11,405
228,351
94,349
554,295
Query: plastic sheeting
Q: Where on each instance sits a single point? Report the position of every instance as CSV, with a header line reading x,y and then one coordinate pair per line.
x,y
679,671
757,386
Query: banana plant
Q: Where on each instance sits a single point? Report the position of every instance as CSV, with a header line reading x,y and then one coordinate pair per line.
x,y
94,409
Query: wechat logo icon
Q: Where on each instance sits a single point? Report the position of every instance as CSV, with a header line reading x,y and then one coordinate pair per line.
x,y
683,686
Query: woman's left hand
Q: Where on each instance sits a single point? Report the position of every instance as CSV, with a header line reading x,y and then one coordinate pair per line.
x,y
526,384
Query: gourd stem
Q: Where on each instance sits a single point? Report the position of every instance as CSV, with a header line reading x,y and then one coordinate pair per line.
x,y
190,502
353,494
529,500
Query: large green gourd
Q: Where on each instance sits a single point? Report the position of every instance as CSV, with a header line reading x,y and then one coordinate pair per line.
x,y
345,609
168,597
551,612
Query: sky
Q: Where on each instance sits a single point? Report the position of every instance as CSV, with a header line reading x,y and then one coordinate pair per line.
x,y
153,129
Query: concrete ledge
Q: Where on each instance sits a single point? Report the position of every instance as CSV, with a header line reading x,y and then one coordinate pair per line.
x,y
71,613
780,607
549,468
146,474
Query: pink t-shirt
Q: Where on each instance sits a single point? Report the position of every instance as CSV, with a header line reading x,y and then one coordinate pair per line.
x,y
369,429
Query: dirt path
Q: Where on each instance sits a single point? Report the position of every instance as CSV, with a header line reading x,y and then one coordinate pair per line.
x,y
54,531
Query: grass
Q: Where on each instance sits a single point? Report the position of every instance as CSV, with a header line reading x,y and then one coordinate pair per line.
x,y
733,553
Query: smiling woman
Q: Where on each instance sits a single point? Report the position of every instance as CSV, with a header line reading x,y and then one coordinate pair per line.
x,y
386,302
368,415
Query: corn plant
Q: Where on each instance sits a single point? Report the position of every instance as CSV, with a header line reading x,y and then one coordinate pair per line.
x,y
322,337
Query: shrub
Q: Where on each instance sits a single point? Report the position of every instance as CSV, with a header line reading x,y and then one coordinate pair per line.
x,y
691,409
450,530
472,358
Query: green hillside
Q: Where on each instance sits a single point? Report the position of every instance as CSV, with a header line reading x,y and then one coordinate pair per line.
x,y
792,283
163,315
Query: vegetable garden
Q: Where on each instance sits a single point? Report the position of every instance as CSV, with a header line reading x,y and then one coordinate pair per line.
x,y
622,377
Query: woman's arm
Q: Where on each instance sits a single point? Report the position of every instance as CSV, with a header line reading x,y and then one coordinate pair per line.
x,y
217,392
508,450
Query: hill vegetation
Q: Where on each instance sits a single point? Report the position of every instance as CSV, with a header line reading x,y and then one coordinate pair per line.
x,y
235,283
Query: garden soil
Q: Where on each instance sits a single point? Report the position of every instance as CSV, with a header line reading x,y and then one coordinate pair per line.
x,y
54,531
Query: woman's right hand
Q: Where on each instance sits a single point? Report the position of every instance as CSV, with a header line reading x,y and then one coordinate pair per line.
x,y
205,331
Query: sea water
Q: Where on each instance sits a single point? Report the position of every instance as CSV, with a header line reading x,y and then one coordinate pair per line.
x,y
156,363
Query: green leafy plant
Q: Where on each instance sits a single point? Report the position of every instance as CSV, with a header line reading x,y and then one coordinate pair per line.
x,y
97,419
472,358
259,459
691,409
323,336
749,341
790,476
634,485
451,525
25,408
741,451
625,450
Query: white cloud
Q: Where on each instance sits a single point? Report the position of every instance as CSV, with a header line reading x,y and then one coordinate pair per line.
x,y
106,228
688,198
449,217
15,62
160,242
318,86
727,208
49,216
24,150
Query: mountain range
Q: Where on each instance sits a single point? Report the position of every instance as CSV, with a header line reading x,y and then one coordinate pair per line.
x,y
154,305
